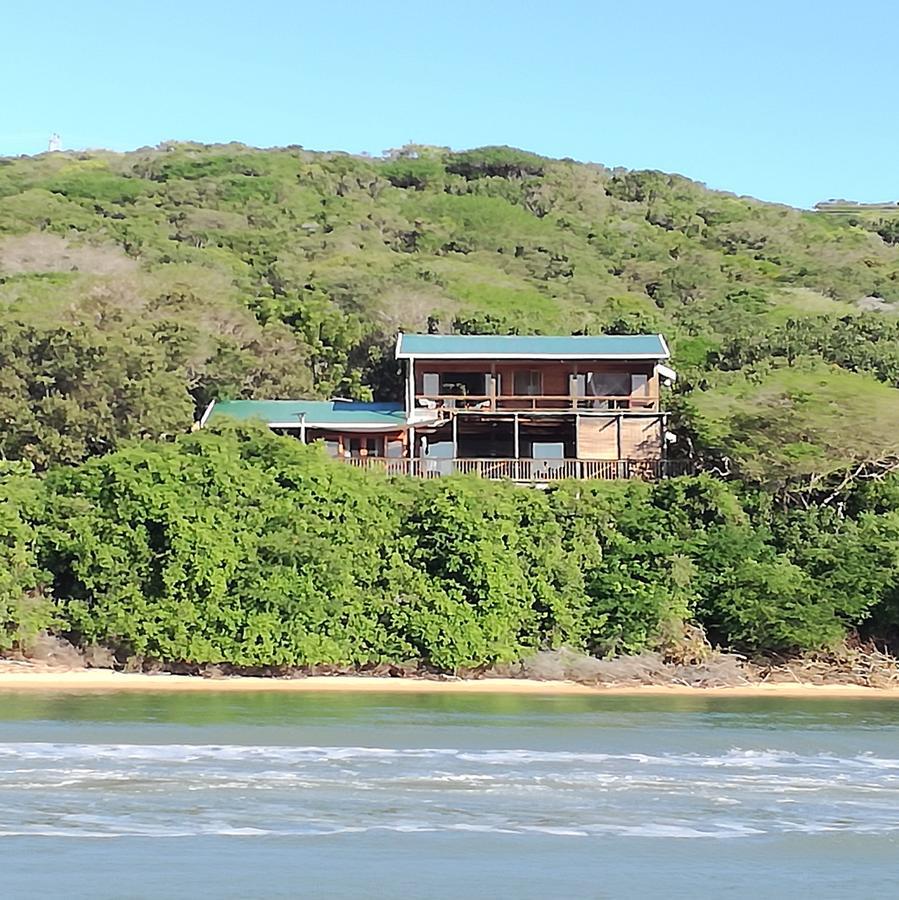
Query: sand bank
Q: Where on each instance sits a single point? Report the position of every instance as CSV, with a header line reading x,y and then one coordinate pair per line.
x,y
14,678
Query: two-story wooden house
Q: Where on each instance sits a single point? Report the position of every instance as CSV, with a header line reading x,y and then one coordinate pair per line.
x,y
529,408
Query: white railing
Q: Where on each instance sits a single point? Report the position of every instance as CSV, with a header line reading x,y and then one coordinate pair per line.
x,y
533,471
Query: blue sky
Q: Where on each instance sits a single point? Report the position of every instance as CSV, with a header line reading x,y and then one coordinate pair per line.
x,y
791,101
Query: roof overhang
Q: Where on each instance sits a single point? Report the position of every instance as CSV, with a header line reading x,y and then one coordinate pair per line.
x,y
554,357
335,426
340,426
523,355
296,415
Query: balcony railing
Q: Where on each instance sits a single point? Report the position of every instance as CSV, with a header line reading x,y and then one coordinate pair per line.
x,y
531,471
519,402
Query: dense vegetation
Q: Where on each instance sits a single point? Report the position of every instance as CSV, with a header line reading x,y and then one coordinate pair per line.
x,y
136,287
244,547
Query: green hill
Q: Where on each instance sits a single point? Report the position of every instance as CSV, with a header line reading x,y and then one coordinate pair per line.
x,y
134,287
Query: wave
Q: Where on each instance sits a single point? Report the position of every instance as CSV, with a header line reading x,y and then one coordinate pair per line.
x,y
246,792
283,754
651,830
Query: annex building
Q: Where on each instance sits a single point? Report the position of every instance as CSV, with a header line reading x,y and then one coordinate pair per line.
x,y
529,408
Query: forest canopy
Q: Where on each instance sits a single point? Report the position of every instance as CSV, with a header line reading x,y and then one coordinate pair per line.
x,y
135,287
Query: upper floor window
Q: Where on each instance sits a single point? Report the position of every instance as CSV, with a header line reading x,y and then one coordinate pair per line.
x,y
610,384
620,390
455,384
527,383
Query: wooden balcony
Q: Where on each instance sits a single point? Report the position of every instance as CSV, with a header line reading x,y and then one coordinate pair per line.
x,y
526,471
530,402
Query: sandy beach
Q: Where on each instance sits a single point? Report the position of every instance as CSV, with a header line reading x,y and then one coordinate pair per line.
x,y
13,678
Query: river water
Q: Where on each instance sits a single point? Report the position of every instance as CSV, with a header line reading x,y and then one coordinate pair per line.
x,y
235,795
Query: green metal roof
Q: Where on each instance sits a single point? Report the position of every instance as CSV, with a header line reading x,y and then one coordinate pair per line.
x,y
484,346
341,414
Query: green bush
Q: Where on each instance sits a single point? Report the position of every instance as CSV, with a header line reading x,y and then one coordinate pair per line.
x,y
24,609
417,173
497,162
239,546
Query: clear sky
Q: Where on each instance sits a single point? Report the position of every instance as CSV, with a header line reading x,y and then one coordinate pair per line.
x,y
791,101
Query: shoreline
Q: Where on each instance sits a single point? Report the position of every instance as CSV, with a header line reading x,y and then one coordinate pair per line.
x,y
105,680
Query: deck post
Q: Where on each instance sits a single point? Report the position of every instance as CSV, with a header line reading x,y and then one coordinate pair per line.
x,y
303,428
410,387
577,445
455,435
663,428
515,432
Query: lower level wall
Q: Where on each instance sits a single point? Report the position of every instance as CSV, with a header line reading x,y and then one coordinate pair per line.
x,y
620,437
641,438
597,437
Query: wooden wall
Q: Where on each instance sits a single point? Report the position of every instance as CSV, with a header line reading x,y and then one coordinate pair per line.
x,y
640,437
597,437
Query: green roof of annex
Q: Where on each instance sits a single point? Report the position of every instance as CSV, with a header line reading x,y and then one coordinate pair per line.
x,y
514,346
342,415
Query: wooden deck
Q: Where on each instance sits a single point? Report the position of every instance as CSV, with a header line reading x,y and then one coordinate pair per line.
x,y
527,471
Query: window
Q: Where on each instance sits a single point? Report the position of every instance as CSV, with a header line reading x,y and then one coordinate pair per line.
x,y
610,384
431,384
463,384
548,450
440,450
607,385
577,385
527,383
640,392
640,385
365,446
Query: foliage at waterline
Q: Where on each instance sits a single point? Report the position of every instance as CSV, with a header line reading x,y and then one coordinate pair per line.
x,y
251,549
